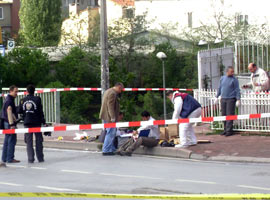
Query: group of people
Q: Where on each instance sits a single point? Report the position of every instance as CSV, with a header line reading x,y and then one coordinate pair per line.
x,y
185,106
30,108
229,92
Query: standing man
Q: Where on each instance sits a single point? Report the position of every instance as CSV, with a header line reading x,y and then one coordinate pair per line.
x,y
185,106
259,80
10,117
109,112
230,96
33,116
149,138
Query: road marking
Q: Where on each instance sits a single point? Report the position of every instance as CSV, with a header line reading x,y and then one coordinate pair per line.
x,y
253,187
195,181
10,184
74,171
41,168
17,166
129,176
57,189
70,150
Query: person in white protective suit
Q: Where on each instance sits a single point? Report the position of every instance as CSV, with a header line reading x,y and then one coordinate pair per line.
x,y
259,80
185,106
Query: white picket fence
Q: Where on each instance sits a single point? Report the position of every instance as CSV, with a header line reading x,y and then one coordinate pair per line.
x,y
251,103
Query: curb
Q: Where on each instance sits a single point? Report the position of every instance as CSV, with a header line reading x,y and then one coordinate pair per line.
x,y
85,146
156,151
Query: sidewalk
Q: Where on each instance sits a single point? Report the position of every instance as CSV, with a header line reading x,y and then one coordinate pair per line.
x,y
234,148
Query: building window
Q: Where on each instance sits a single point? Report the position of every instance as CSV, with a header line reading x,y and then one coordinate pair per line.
x,y
1,13
190,19
93,3
242,19
128,12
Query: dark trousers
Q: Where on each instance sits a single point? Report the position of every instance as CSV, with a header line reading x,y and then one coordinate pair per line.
x,y
131,146
228,108
9,145
28,139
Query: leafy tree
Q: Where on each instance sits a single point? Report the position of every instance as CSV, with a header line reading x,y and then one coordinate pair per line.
x,y
25,66
40,22
78,69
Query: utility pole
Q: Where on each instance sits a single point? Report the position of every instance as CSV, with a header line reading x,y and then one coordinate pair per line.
x,y
105,84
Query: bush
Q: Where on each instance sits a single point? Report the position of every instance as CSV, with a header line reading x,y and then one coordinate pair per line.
x,y
25,66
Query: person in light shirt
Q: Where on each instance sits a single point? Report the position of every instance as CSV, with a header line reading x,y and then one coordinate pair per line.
x,y
185,106
148,137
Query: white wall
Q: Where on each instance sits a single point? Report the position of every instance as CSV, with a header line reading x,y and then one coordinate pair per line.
x,y
175,11
114,11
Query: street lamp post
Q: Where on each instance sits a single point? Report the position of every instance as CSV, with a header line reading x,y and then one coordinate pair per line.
x,y
162,56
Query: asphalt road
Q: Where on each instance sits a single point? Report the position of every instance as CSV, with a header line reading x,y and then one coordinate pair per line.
x,y
90,172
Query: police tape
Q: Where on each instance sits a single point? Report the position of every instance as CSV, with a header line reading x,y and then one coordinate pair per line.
x,y
99,89
136,196
133,124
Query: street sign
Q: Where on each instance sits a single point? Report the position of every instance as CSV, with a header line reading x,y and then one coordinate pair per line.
x,y
10,44
2,50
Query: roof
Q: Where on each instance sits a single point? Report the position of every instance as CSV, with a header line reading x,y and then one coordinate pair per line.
x,y
125,2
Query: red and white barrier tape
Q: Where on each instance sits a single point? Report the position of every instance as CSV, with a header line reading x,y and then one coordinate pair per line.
x,y
99,89
133,124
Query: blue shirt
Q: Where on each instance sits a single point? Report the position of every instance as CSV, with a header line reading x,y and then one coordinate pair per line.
x,y
228,88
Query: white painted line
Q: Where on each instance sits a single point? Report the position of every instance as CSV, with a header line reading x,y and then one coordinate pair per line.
x,y
67,150
41,168
10,184
129,176
17,166
195,181
74,171
57,189
253,187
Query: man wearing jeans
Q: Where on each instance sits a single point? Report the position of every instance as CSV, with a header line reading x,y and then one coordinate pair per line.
x,y
230,97
109,113
10,117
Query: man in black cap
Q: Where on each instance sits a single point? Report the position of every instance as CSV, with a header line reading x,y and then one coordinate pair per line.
x,y
33,116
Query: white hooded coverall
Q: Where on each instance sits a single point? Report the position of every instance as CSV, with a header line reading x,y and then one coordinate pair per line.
x,y
186,131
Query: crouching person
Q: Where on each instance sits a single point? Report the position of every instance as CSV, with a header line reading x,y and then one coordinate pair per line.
x,y
185,106
148,137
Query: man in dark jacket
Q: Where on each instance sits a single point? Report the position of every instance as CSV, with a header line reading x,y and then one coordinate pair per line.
x,y
9,116
33,116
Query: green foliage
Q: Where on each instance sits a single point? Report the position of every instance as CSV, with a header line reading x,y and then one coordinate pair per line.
x,y
40,22
79,69
24,66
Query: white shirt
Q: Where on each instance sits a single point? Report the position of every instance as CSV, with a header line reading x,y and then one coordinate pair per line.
x,y
154,130
178,104
260,77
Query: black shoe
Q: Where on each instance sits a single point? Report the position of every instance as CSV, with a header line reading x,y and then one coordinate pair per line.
x,y
120,153
229,134
108,153
223,133
126,153
41,161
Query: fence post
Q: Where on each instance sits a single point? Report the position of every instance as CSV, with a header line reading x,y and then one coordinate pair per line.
x,y
57,107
